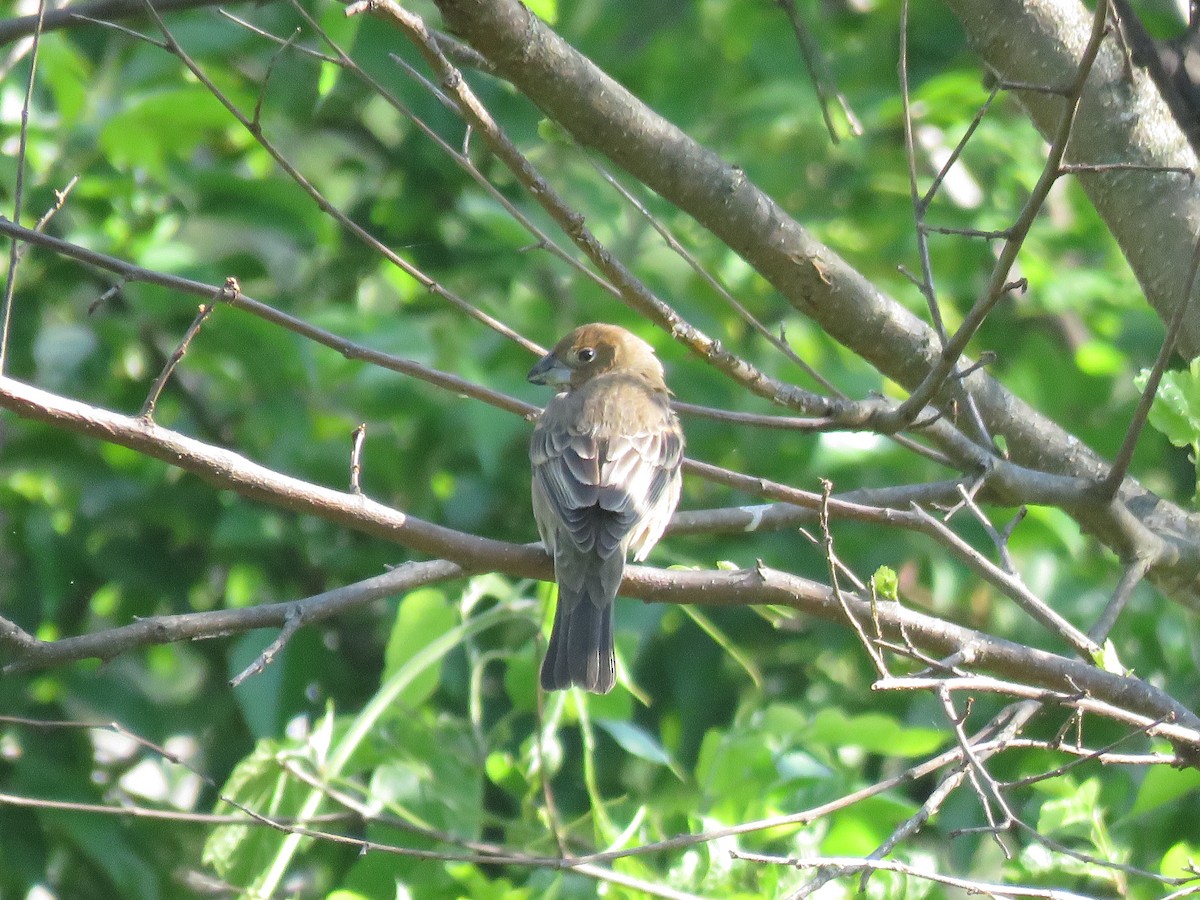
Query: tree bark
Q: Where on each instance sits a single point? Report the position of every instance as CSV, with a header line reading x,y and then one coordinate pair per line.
x,y
600,113
1122,118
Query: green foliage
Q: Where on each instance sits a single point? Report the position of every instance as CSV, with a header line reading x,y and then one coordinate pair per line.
x,y
1176,408
424,712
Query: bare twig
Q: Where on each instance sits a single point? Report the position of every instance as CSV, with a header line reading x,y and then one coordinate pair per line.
x,y
852,864
26,653
81,13
833,565
255,131
14,256
356,446
995,289
256,118
1133,575
776,341
919,205
1076,168
1154,725
819,74
227,294
1107,488
1016,589
293,619
977,772
60,199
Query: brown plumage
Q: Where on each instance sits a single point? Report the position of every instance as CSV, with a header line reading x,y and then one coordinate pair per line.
x,y
606,456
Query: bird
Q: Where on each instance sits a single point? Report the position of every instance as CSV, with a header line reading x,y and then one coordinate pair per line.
x,y
606,457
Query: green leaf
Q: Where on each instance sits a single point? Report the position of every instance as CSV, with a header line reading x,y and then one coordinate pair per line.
x,y
362,725
1106,658
1176,407
1180,860
66,73
547,10
1100,358
553,133
1163,785
424,615
636,740
726,643
151,129
887,583
873,732
258,783
259,697
1073,813
860,831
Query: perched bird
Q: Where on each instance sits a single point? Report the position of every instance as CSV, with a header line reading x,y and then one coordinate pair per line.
x,y
606,456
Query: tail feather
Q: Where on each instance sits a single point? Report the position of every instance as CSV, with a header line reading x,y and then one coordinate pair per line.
x,y
581,639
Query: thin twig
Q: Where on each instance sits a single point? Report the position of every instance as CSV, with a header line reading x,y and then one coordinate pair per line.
x,y
1033,87
851,864
833,565
357,438
1016,589
776,341
999,539
14,256
1076,168
995,290
1107,489
819,74
60,199
430,284
256,119
227,294
292,621
1132,577
974,124
919,206
1078,700
1002,234
72,15
977,773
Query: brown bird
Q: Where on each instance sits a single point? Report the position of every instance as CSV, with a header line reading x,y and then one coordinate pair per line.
x,y
606,455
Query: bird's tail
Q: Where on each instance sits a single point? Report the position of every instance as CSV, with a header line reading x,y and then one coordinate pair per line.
x,y
581,640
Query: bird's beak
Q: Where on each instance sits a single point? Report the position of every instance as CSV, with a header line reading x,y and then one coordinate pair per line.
x,y
550,370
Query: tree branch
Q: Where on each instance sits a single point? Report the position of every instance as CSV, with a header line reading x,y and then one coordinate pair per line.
x,y
1121,119
757,586
601,113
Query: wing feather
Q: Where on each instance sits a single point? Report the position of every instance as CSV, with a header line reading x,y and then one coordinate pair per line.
x,y
611,492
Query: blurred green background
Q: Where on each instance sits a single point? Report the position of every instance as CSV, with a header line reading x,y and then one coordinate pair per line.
x,y
740,720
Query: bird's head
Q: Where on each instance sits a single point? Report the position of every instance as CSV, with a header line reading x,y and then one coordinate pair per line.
x,y
597,349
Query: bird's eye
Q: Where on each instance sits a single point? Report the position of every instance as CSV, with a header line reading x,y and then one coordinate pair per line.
x,y
586,355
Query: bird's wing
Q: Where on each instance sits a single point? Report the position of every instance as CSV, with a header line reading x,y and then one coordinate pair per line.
x,y
640,481
566,476
609,491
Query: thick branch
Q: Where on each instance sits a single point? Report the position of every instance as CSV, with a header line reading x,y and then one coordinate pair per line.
x,y
79,13
1154,216
226,469
30,653
601,113
758,586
